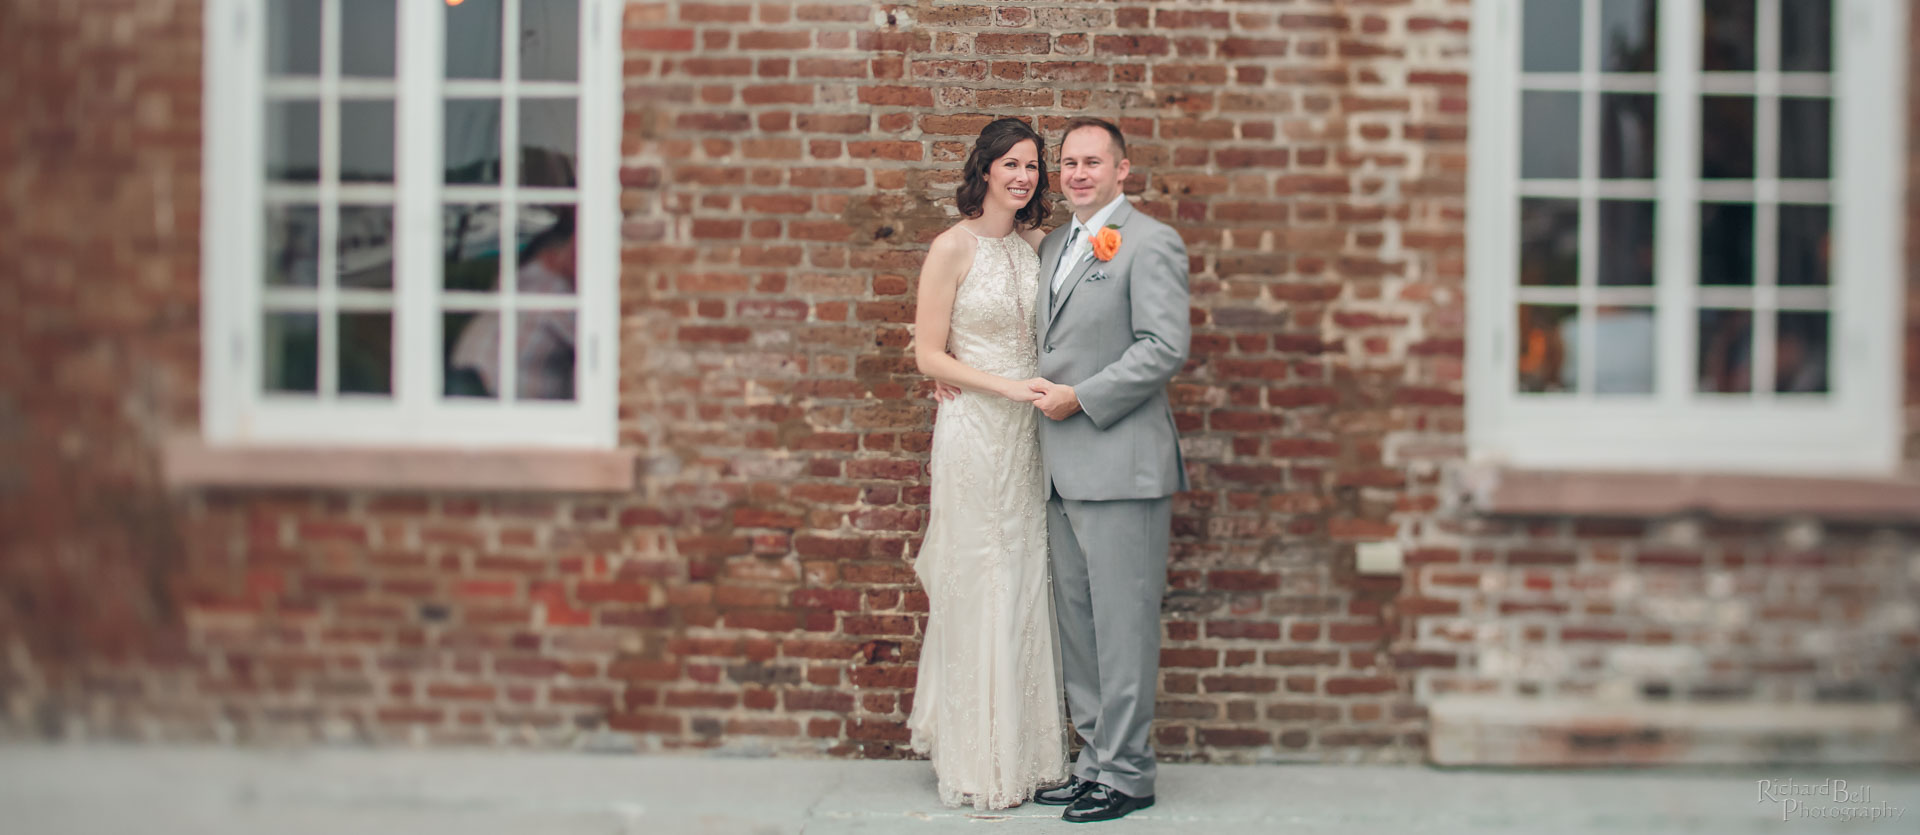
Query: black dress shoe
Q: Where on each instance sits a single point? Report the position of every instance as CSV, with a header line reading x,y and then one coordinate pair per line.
x,y
1064,795
1104,803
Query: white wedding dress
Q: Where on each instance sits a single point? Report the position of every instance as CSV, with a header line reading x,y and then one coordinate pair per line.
x,y
986,708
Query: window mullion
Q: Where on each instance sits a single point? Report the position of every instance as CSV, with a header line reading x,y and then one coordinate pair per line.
x,y
1766,198
1586,325
1492,191
1678,212
598,217
229,233
417,236
329,269
509,201
1869,138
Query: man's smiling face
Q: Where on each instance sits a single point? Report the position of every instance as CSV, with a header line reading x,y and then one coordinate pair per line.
x,y
1091,170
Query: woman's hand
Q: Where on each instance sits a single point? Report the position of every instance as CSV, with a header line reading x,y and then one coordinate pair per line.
x,y
1023,391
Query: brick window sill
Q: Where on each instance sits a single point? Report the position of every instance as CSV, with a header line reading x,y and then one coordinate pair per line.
x,y
189,462
1520,492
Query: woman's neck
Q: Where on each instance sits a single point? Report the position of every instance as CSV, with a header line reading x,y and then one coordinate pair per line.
x,y
993,222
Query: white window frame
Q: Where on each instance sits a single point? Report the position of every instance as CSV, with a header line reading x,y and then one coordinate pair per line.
x,y
235,411
1856,429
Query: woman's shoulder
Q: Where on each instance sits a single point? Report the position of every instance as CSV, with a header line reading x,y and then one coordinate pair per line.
x,y
1034,236
955,240
951,252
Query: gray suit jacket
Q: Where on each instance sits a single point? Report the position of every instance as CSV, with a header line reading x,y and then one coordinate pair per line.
x,y
1117,332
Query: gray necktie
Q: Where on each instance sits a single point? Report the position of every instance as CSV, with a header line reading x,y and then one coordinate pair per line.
x,y
1073,237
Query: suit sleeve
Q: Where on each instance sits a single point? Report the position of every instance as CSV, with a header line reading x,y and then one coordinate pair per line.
x,y
1161,332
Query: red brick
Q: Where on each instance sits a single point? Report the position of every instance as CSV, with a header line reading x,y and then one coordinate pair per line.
x,y
662,40
1348,685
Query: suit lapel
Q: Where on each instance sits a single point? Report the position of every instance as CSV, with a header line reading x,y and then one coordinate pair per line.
x,y
1119,218
1050,247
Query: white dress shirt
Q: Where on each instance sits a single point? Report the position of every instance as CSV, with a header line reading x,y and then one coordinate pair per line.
x,y
1080,240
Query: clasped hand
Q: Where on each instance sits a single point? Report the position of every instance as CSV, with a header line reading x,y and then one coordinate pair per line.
x,y
1054,400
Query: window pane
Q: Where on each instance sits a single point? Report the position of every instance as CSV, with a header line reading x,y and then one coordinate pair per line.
x,y
1624,339
470,244
1726,243
1805,249
293,37
1726,137
1806,35
1628,42
1551,41
1726,351
1805,128
546,356
1800,352
1627,136
1727,36
473,39
547,131
549,40
1626,243
1547,336
293,246
1549,242
365,238
1550,135
546,247
366,353
471,345
366,141
293,141
367,38
290,348
473,141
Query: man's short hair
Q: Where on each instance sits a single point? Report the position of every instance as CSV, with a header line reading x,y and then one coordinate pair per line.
x,y
1113,133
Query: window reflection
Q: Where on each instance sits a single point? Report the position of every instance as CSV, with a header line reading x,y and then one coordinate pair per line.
x,y
1726,244
290,352
1800,352
1726,351
549,40
1546,336
1628,36
1624,349
1549,242
1805,245
366,353
543,340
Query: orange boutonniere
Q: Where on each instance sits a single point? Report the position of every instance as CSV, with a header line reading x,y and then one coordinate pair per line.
x,y
1106,242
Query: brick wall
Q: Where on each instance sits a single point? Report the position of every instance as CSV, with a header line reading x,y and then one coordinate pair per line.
x,y
1913,239
796,160
784,166
99,299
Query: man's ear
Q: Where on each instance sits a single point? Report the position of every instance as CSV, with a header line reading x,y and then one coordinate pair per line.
x,y
1126,168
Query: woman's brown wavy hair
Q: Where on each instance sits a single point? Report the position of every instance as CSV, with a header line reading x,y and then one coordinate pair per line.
x,y
996,139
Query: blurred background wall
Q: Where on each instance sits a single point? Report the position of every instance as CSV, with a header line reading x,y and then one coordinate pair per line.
x,y
782,167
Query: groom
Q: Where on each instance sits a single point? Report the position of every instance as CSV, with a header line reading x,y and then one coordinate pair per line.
x,y
1112,330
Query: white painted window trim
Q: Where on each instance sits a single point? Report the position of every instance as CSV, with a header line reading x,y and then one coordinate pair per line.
x,y
234,411
1857,430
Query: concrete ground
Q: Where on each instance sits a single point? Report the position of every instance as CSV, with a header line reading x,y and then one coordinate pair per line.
x,y
55,790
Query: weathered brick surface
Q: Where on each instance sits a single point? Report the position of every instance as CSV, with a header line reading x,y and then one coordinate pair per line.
x,y
784,166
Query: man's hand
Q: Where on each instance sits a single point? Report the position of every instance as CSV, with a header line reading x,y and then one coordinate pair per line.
x,y
1056,401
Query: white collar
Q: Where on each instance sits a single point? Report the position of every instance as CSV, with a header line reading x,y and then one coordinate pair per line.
x,y
1099,218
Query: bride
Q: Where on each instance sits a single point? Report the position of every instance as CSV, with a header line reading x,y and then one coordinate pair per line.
x,y
986,708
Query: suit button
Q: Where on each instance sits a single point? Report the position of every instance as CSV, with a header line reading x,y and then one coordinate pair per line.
x,y
1049,349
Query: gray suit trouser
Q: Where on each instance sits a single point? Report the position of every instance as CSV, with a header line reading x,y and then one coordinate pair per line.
x,y
1109,573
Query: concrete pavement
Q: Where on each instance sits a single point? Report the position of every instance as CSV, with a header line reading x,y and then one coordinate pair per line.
x,y
56,790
